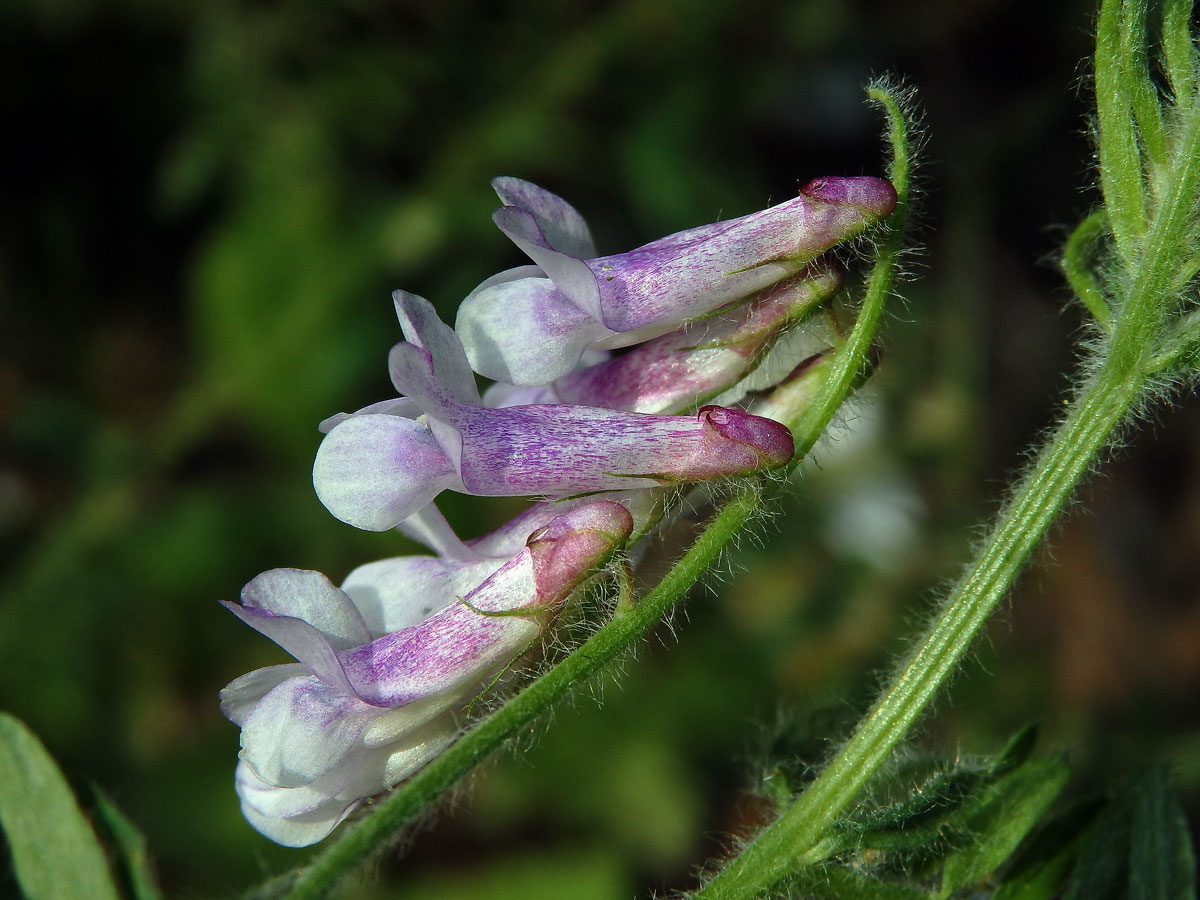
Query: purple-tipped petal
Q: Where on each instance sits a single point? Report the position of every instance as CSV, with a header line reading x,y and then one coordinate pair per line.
x,y
462,643
875,196
763,440
564,228
375,471
574,544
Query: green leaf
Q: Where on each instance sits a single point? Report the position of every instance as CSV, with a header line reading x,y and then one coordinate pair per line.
x,y
838,883
1178,51
1078,266
1120,159
1161,860
1039,870
1143,95
1001,816
1139,849
55,852
129,845
1016,752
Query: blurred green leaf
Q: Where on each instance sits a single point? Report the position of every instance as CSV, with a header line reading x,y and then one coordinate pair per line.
x,y
129,845
592,875
1041,867
1002,814
838,883
1139,848
55,853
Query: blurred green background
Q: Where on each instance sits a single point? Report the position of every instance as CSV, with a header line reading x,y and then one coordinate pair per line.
x,y
204,208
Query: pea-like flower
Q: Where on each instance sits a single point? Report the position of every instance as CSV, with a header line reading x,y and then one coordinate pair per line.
x,y
386,661
530,325
689,366
375,469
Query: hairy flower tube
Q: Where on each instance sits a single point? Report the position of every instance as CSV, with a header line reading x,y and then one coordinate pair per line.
x,y
530,325
387,660
376,469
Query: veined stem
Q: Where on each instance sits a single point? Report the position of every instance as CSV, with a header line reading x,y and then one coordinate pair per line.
x,y
1101,406
376,831
1154,248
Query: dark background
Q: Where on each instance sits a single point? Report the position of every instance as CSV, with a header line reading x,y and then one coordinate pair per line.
x,y
203,208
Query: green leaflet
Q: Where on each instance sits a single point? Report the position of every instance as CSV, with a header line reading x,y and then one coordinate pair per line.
x,y
1139,847
131,859
54,850
1000,817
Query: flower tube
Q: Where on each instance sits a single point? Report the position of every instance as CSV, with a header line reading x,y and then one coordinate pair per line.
x,y
529,326
375,470
386,661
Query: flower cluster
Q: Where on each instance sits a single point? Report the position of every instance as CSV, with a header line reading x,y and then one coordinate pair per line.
x,y
387,662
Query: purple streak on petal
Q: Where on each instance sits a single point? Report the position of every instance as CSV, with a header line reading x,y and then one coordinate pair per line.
x,y
563,226
700,359
689,274
560,450
460,645
451,649
375,471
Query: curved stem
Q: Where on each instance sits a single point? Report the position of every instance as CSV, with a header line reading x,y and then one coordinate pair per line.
x,y
852,356
1103,403
378,830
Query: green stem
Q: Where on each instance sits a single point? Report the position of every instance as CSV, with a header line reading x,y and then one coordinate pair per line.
x,y
852,356
378,830
1102,404
1117,381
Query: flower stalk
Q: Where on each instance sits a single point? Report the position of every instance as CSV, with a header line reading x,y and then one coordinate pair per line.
x,y
379,830
630,621
1150,192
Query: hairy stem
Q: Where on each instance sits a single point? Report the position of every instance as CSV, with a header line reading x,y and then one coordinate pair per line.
x,y
1155,239
1102,404
376,832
